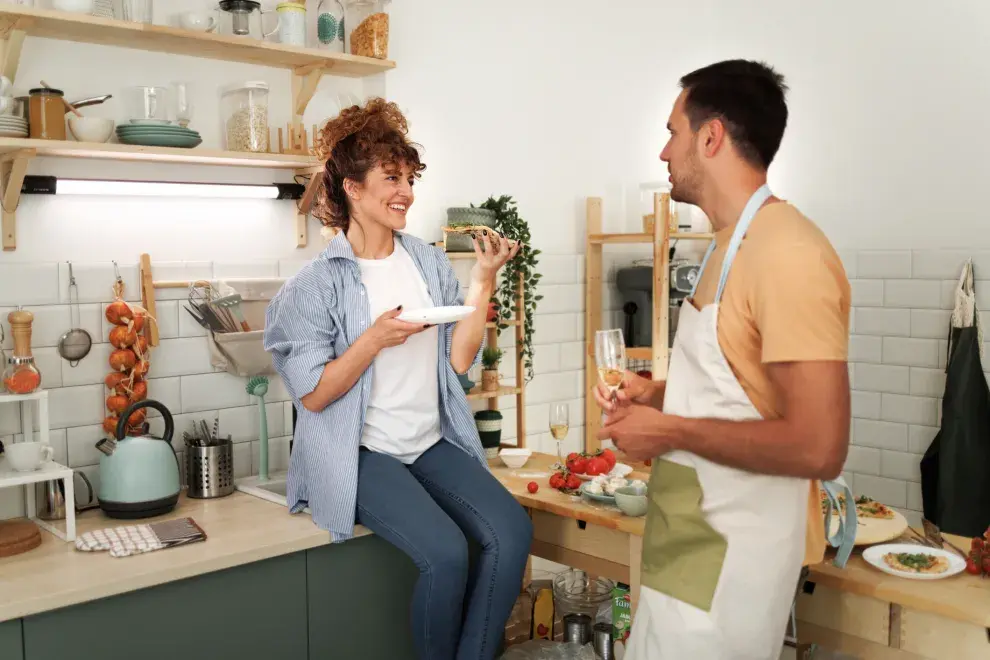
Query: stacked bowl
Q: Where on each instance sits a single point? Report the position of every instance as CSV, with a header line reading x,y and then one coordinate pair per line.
x,y
157,133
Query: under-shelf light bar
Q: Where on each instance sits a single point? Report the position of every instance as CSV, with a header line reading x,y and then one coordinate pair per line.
x,y
49,185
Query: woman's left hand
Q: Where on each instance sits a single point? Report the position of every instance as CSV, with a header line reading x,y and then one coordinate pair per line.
x,y
496,253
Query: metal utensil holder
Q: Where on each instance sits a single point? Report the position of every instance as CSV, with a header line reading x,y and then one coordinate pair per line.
x,y
210,470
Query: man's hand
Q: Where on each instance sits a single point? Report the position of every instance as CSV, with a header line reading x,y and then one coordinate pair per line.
x,y
640,431
634,389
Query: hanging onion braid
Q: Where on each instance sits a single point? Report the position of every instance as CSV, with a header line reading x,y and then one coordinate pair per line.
x,y
353,144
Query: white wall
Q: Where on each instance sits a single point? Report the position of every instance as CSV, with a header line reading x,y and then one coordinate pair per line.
x,y
551,102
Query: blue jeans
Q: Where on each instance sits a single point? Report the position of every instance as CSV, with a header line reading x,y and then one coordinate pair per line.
x,y
428,510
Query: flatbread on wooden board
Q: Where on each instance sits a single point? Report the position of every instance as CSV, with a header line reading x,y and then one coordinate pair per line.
x,y
477,231
870,508
916,562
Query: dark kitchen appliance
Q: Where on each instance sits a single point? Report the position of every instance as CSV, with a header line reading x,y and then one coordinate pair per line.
x,y
635,285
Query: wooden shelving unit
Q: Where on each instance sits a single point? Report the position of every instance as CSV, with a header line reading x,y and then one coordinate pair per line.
x,y
306,64
491,339
665,229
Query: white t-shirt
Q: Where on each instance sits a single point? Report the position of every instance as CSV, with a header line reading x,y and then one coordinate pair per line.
x,y
403,417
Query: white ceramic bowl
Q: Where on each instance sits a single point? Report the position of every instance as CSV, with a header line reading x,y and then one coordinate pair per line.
x,y
631,501
515,458
90,129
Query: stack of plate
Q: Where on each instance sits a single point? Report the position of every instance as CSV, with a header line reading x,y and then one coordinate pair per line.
x,y
152,133
11,126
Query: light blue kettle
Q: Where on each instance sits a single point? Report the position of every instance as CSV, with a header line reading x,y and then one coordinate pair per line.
x,y
139,475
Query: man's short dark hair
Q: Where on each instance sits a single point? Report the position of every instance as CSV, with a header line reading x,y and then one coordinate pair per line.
x,y
749,99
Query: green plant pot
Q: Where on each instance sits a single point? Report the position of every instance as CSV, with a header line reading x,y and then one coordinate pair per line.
x,y
490,430
465,215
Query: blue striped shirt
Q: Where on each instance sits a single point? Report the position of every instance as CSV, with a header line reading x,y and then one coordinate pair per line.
x,y
316,315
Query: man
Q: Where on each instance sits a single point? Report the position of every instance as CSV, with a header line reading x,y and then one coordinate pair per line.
x,y
755,408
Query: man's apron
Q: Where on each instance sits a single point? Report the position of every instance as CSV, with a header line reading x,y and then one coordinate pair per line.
x,y
723,548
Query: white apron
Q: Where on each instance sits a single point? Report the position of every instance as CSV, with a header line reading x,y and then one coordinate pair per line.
x,y
723,548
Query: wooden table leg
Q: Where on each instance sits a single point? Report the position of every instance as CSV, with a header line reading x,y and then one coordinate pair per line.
x,y
635,567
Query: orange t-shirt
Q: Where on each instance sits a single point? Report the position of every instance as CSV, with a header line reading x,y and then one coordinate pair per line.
x,y
786,299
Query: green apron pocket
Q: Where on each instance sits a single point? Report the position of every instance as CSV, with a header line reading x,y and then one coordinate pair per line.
x,y
682,553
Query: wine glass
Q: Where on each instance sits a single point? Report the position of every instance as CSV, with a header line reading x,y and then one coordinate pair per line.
x,y
610,357
182,106
559,424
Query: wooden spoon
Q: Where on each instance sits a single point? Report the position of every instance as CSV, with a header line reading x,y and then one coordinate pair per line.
x,y
68,105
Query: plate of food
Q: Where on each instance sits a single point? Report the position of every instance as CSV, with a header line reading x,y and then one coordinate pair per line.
x,y
875,522
602,488
914,562
434,315
587,465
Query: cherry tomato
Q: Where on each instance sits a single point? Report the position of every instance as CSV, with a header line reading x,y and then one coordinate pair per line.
x,y
972,567
532,486
573,482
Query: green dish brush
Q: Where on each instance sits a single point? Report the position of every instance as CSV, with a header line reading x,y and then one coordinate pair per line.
x,y
258,386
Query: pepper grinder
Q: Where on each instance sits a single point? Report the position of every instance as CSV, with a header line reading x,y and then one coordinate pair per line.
x,y
21,375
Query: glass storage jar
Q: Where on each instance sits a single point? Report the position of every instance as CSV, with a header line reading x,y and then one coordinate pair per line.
x,y
46,114
330,25
20,375
366,28
244,108
292,23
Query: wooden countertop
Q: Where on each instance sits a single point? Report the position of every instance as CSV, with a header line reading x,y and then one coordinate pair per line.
x,y
962,597
548,499
240,529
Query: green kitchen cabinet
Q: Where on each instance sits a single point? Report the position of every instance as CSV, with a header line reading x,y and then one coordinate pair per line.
x,y
252,612
10,640
359,596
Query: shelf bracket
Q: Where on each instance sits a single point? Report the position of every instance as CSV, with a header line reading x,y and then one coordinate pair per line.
x,y
11,42
13,168
304,206
304,84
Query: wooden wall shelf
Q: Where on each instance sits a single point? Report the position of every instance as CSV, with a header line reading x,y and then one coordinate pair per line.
x,y
164,39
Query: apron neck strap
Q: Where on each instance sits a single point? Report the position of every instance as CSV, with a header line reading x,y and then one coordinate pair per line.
x,y
742,226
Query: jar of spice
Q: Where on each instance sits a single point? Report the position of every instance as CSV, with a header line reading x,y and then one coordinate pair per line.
x,y
21,376
366,28
46,114
292,23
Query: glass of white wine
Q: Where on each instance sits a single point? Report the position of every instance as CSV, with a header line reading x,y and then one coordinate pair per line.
x,y
559,425
610,356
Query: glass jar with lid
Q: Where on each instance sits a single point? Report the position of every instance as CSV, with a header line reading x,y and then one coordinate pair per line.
x,y
366,28
244,112
21,376
46,113
330,25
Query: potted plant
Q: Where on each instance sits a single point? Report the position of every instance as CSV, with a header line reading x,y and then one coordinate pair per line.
x,y
490,358
510,225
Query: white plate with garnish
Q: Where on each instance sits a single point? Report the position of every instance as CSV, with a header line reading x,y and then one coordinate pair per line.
x,y
914,561
434,315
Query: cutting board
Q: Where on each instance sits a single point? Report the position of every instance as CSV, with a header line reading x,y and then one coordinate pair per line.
x,y
17,536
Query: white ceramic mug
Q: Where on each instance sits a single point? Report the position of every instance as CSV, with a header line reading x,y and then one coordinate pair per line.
x,y
196,21
27,456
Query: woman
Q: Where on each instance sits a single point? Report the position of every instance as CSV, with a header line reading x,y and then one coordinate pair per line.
x,y
385,436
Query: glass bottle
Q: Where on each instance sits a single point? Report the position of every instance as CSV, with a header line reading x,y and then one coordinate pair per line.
x,y
21,375
330,26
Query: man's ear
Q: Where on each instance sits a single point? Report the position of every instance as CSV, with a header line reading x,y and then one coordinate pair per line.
x,y
712,137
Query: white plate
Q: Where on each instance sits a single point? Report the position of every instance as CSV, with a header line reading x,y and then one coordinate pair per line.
x,y
435,315
150,122
620,470
874,556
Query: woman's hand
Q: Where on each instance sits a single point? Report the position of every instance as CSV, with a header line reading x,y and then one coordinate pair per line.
x,y
634,389
496,253
389,331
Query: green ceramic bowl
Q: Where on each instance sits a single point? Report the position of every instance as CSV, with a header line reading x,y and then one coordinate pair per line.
x,y
631,501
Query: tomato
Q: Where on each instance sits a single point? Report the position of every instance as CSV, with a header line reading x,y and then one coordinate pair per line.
x,y
972,567
573,456
977,545
557,480
597,465
578,466
573,482
648,462
532,486
609,457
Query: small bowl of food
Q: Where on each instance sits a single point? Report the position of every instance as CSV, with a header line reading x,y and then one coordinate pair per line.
x,y
515,458
631,500
91,129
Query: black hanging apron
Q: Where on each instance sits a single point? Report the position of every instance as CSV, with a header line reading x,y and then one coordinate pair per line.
x,y
955,471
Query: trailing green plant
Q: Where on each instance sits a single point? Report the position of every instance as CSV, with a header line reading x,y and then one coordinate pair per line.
x,y
490,357
509,224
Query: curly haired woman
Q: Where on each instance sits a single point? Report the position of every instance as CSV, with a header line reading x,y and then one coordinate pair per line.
x,y
385,436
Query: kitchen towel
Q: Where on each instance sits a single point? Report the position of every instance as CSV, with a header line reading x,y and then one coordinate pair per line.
x,y
136,539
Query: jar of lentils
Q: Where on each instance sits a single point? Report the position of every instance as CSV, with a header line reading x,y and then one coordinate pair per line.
x,y
244,111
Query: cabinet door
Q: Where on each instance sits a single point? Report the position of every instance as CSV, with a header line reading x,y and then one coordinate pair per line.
x,y
251,612
10,640
359,595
